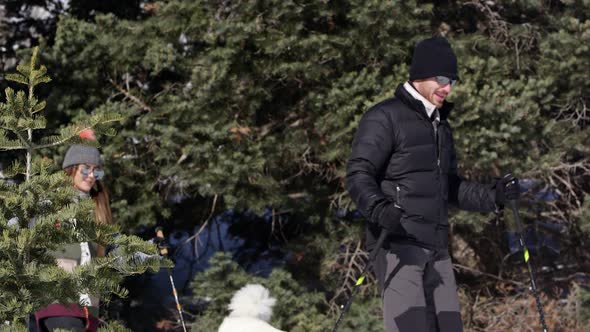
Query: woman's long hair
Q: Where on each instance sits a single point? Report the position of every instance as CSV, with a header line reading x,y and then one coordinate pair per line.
x,y
100,196
102,207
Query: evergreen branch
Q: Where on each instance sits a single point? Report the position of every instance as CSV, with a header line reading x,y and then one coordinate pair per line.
x,y
43,79
15,102
32,123
57,142
8,125
16,78
9,94
13,169
10,144
32,71
134,99
25,71
8,147
41,71
39,107
40,76
27,143
74,131
267,128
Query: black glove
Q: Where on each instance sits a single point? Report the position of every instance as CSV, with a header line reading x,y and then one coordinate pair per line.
x,y
507,189
390,217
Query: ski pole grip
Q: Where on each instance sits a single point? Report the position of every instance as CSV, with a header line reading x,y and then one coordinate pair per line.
x,y
159,239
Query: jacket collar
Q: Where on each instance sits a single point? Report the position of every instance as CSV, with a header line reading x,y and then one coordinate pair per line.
x,y
430,107
402,94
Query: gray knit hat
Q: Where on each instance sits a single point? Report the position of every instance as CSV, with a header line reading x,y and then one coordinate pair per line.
x,y
81,154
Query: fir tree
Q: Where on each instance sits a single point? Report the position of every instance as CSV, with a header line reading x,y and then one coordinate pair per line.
x,y
38,214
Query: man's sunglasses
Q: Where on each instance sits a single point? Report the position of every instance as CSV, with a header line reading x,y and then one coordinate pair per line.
x,y
97,172
443,80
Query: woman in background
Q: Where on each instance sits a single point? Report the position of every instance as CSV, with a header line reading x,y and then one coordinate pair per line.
x,y
84,165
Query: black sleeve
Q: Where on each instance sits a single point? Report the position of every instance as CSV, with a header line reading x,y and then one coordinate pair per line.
x,y
371,150
469,195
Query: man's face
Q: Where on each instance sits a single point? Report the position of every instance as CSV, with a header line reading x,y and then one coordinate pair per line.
x,y
433,91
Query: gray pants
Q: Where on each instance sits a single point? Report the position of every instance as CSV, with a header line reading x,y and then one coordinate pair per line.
x,y
419,290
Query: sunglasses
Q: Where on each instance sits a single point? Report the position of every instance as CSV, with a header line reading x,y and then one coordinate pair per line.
x,y
443,80
97,172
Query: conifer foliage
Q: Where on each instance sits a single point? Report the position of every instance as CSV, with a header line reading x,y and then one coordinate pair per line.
x,y
38,212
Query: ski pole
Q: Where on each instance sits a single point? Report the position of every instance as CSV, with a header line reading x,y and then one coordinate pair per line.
x,y
513,206
360,280
164,252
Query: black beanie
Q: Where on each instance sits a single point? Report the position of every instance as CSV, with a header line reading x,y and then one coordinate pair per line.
x,y
433,57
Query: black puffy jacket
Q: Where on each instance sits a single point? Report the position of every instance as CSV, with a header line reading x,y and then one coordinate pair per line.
x,y
398,157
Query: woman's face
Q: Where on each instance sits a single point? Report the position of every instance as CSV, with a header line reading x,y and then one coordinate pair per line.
x,y
86,176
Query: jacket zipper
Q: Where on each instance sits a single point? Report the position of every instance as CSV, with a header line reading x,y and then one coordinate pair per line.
x,y
438,148
437,143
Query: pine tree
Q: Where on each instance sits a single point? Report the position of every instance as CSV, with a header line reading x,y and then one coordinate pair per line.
x,y
38,214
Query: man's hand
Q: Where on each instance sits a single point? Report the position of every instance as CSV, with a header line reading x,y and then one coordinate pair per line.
x,y
507,189
390,217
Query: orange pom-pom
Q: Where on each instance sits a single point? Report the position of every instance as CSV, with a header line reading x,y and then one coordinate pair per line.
x,y
88,134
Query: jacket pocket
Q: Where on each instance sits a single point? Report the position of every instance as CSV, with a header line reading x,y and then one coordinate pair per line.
x,y
416,219
419,229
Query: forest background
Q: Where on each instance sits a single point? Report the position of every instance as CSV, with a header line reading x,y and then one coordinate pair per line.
x,y
250,107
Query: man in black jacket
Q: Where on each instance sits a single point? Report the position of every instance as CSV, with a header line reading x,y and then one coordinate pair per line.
x,y
402,175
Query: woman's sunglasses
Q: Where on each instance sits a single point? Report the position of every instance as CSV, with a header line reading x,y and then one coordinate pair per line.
x,y
97,172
